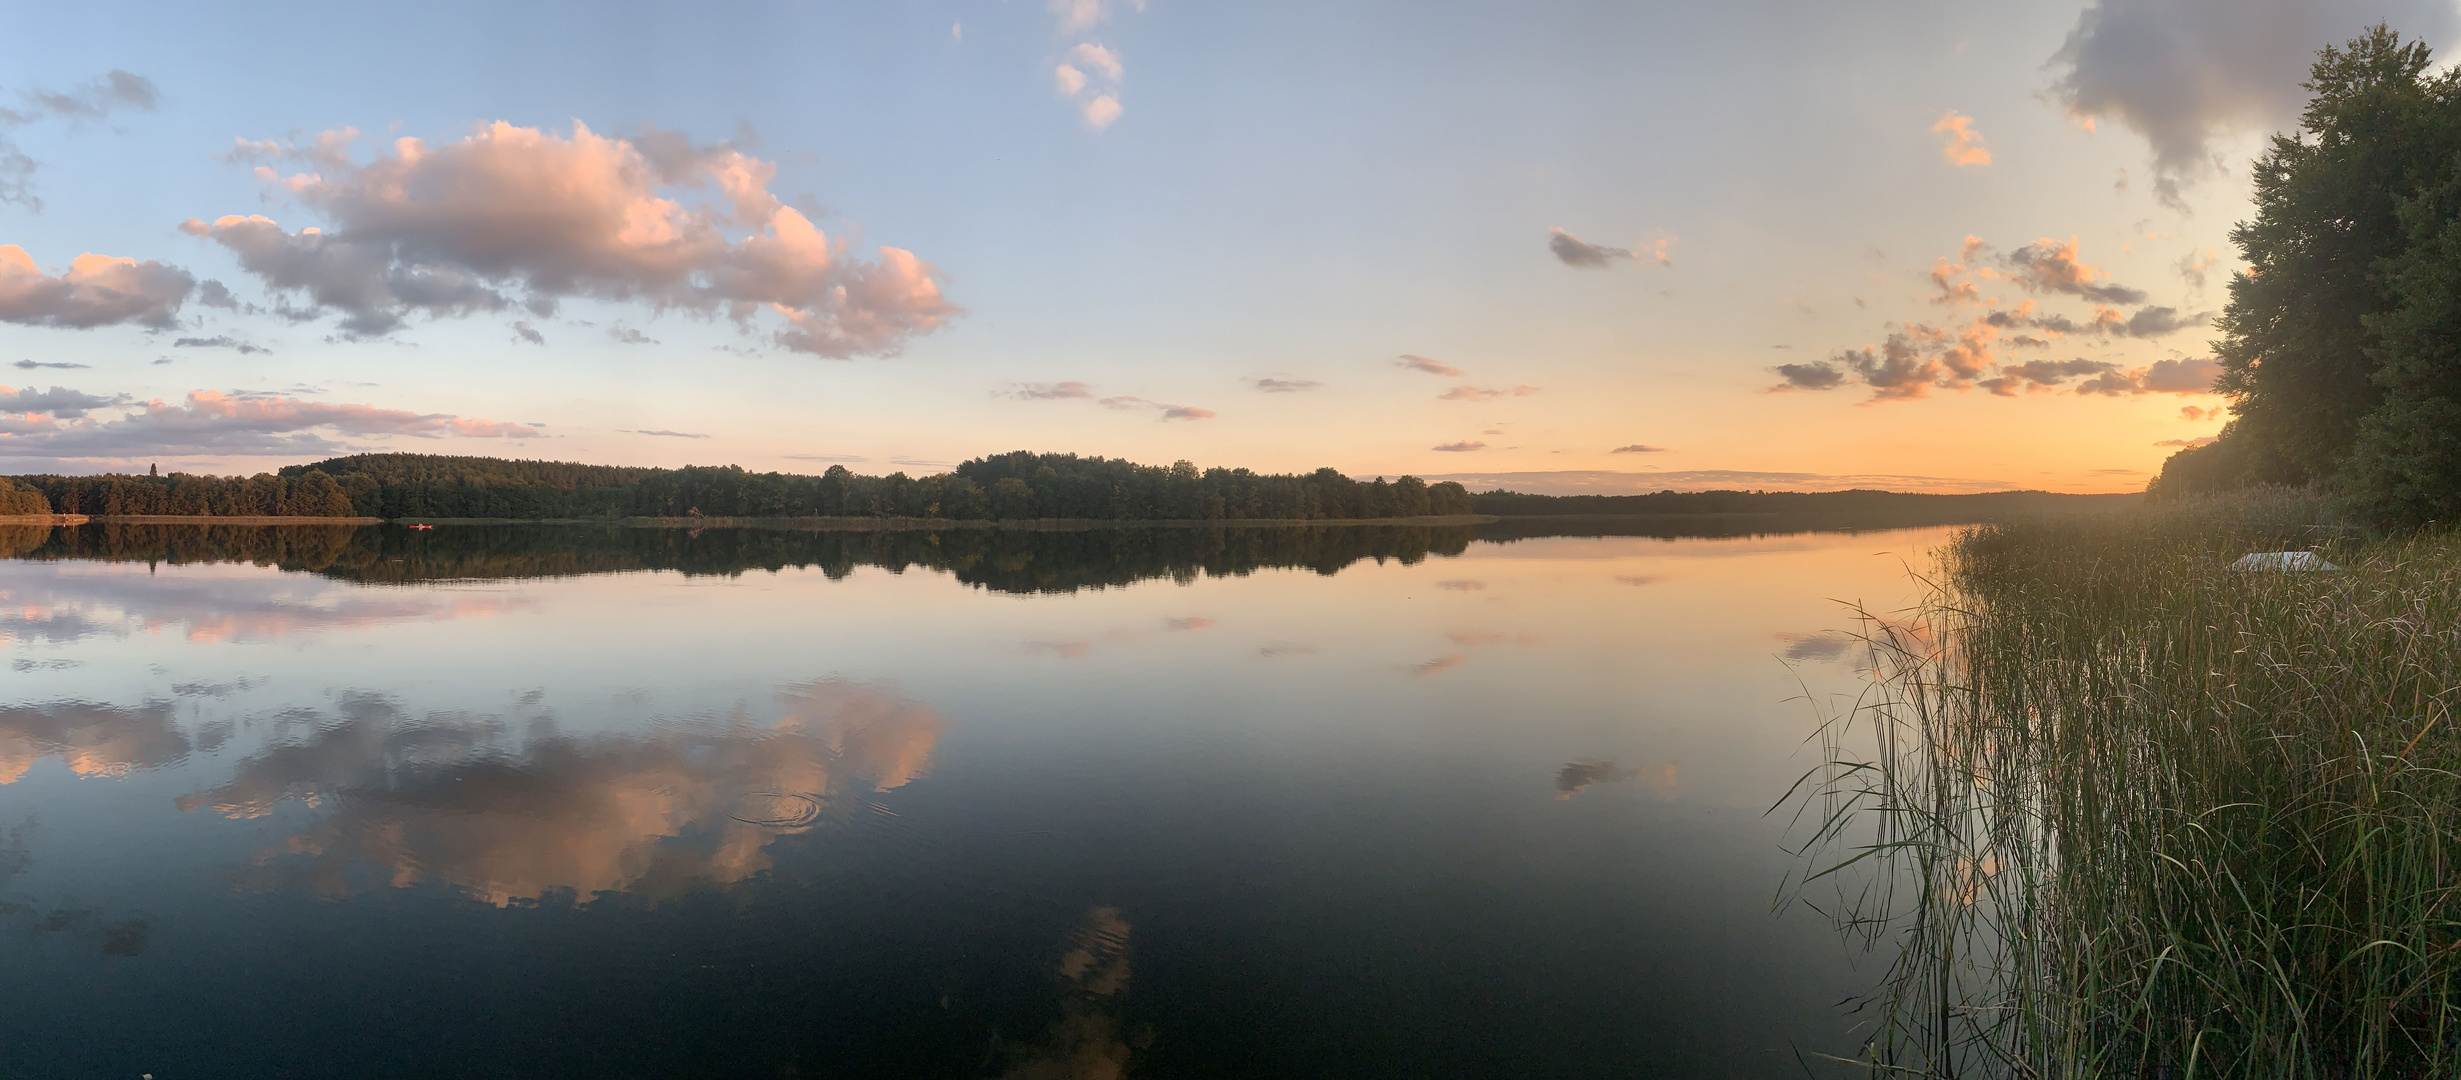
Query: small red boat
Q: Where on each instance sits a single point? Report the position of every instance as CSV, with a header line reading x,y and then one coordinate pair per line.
x,y
422,528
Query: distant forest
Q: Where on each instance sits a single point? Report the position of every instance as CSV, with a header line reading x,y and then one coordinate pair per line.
x,y
1020,486
1014,486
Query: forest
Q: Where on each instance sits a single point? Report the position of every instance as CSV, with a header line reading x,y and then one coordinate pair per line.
x,y
2341,342
1012,486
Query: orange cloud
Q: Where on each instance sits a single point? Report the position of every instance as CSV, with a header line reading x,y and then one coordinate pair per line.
x,y
1960,144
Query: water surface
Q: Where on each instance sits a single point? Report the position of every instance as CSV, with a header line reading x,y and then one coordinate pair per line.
x,y
527,801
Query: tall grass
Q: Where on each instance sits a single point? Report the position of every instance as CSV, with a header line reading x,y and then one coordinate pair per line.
x,y
2122,812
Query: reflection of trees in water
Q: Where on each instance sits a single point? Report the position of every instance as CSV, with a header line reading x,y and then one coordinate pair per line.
x,y
1004,560
444,797
95,740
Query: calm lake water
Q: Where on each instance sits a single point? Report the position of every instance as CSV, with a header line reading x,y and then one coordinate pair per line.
x,y
529,802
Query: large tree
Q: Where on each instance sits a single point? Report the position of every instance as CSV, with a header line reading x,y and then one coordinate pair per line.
x,y
2300,350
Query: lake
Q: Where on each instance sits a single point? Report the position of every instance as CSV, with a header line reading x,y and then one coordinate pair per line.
x,y
536,801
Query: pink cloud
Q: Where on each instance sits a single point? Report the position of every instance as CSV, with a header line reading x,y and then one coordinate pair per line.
x,y
516,216
95,290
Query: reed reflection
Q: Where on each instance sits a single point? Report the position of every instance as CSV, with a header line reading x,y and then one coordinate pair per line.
x,y
455,799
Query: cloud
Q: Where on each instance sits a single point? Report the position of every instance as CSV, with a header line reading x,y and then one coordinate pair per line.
x,y
1192,622
517,217
99,98
1438,666
219,341
2203,440
1573,251
1475,393
524,331
1169,412
35,365
2182,73
2158,321
2042,374
1816,375
237,423
666,433
2188,376
1960,144
1090,74
1097,58
1462,447
1286,386
57,402
96,100
2047,265
827,457
629,336
214,294
2192,412
1432,367
1079,15
95,290
1047,391
1100,111
2192,266
1638,448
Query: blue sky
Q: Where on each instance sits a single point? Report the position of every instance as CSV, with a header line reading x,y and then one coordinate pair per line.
x,y
1302,193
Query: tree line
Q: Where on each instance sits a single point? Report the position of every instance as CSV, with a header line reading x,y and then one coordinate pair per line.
x,y
2341,343
1014,486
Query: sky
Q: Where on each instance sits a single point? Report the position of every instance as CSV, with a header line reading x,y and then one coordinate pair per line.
x,y
1558,247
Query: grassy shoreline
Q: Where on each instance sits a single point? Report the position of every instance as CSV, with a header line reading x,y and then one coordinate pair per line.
x,y
2117,810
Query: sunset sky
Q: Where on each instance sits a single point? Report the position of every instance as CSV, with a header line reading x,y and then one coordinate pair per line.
x,y
1559,246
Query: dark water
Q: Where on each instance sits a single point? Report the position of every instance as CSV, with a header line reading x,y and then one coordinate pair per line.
x,y
525,801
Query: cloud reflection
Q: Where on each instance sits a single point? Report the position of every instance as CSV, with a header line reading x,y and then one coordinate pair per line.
x,y
95,740
58,605
445,798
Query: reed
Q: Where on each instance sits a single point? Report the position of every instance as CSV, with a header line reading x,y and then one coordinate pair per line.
x,y
2114,810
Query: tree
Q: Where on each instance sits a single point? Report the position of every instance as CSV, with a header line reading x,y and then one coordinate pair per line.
x,y
2406,471
2298,351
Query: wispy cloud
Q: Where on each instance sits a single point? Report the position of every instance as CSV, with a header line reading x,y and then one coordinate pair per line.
x,y
1090,73
97,99
1168,411
1286,386
219,341
667,434
1034,391
1638,448
36,365
1431,367
1462,447
1573,251
1474,393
